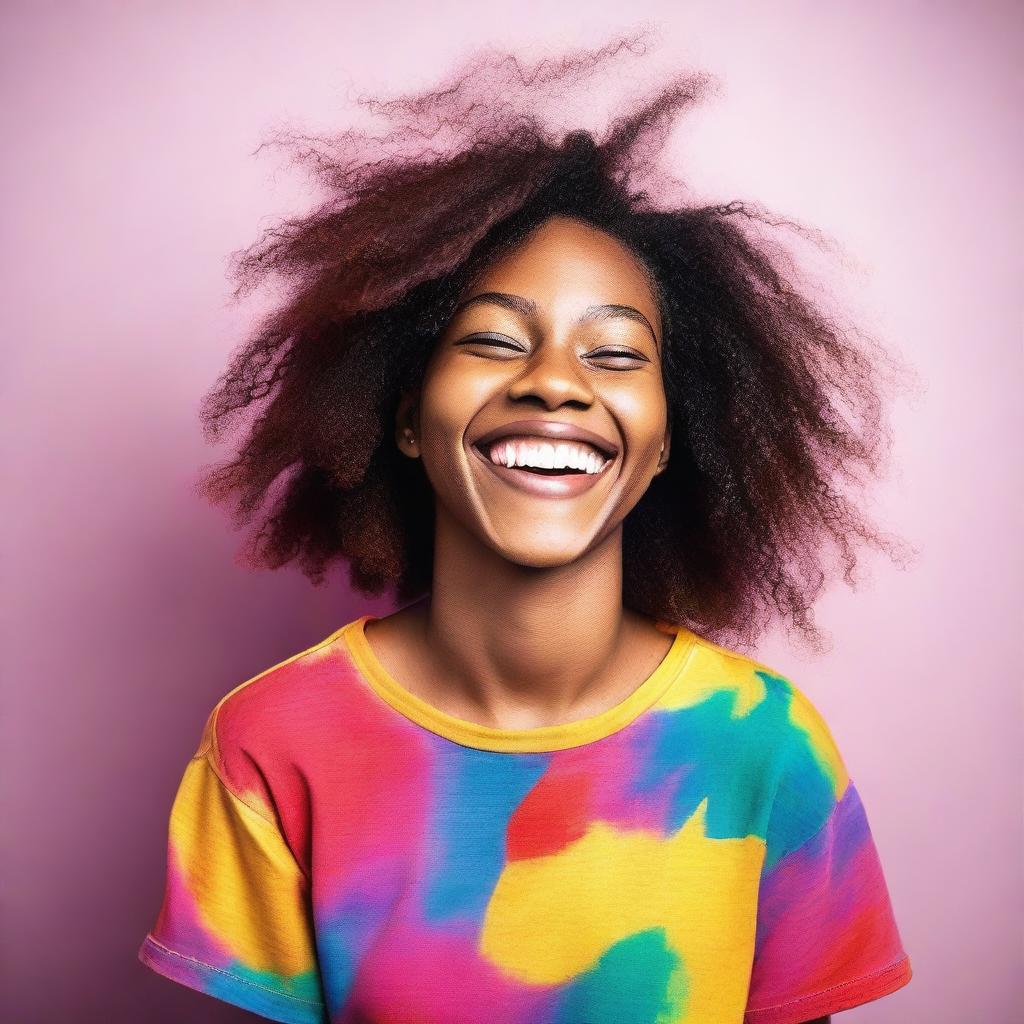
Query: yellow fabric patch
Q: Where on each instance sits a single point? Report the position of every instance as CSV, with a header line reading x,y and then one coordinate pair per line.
x,y
708,674
246,887
551,918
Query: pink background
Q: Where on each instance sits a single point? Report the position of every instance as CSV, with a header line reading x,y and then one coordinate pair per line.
x,y
127,179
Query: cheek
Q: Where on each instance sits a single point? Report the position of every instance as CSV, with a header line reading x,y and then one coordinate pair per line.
x,y
642,414
452,395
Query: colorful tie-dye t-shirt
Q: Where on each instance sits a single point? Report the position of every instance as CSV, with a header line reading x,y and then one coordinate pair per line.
x,y
342,851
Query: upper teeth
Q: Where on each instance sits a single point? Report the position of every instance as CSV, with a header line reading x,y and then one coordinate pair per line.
x,y
545,455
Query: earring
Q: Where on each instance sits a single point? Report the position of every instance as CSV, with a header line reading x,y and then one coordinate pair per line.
x,y
410,437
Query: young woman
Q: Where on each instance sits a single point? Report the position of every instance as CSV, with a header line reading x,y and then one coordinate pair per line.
x,y
580,436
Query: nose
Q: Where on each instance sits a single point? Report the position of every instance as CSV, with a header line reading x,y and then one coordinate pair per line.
x,y
554,376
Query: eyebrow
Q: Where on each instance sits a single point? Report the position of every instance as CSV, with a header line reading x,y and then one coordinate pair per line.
x,y
526,307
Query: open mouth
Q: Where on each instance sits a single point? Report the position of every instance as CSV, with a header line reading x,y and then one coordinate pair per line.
x,y
543,467
545,458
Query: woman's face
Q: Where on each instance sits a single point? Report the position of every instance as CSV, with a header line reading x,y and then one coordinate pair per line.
x,y
541,418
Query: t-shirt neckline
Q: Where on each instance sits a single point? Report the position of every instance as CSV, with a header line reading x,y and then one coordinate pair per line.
x,y
535,740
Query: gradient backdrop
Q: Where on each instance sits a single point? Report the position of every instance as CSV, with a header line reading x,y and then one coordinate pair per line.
x,y
127,179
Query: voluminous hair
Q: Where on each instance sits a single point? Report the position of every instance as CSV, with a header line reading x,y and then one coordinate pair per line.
x,y
776,407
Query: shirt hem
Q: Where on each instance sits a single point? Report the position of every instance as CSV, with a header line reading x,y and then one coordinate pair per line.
x,y
840,997
229,988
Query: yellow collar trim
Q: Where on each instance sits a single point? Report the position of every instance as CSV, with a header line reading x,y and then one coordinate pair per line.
x,y
540,738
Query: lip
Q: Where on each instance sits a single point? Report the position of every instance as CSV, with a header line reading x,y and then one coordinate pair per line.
x,y
554,429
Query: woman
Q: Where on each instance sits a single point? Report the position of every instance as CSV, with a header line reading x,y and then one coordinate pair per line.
x,y
580,436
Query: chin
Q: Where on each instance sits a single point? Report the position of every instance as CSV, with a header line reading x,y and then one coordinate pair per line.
x,y
533,553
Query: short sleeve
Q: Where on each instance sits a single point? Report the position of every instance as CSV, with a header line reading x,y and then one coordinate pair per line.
x,y
235,921
826,935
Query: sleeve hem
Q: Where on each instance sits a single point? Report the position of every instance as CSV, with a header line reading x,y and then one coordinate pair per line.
x,y
835,999
230,988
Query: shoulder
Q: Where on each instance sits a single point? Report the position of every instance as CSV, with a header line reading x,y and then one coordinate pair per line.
x,y
770,708
785,734
265,719
803,768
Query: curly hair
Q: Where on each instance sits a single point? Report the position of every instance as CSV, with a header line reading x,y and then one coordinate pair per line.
x,y
774,404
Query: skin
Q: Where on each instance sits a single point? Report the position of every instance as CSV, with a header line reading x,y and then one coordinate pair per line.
x,y
520,581
525,622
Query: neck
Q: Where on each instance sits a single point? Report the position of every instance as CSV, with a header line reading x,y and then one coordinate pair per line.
x,y
524,642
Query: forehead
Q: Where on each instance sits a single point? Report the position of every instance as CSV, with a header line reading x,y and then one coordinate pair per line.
x,y
566,263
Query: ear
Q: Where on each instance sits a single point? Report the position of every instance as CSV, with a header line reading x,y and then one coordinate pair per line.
x,y
407,433
666,449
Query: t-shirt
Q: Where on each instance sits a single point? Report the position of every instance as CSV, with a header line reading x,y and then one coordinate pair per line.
x,y
341,850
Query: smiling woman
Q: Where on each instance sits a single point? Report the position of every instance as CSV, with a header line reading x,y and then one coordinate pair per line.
x,y
583,438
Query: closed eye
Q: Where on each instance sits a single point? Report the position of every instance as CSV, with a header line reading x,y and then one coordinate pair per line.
x,y
497,340
604,354
502,341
